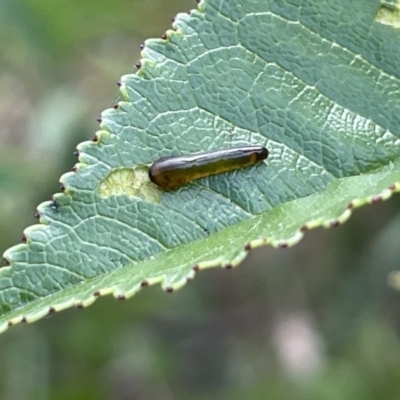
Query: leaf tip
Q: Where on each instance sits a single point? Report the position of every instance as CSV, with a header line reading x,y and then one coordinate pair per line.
x,y
6,262
376,199
334,223
304,228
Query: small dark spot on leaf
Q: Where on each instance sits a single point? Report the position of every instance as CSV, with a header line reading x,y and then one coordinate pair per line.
x,y
164,37
51,310
283,245
247,246
169,289
196,268
335,224
95,138
37,215
79,305
350,206
23,320
54,206
23,239
376,199
304,228
144,284
121,297
6,262
96,293
119,83
99,120
228,266
138,65
141,46
10,323
62,187
74,168
392,187
76,153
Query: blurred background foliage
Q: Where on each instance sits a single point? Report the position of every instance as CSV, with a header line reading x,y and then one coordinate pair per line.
x,y
317,321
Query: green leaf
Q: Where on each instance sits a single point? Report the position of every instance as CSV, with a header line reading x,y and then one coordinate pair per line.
x,y
316,82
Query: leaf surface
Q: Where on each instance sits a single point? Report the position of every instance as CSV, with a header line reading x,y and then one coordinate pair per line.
x,y
316,82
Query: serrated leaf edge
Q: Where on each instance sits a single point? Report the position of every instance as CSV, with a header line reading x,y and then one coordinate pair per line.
x,y
122,295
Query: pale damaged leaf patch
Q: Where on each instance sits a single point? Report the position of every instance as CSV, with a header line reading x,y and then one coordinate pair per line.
x,y
389,13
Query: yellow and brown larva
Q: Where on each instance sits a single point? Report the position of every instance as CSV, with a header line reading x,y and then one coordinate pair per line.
x,y
173,172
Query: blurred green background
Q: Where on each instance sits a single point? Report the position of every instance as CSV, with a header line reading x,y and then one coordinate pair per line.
x,y
314,322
